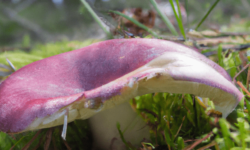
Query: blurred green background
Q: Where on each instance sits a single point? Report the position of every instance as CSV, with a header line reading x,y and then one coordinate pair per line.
x,y
53,20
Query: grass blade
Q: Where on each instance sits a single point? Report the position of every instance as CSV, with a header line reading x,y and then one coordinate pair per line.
x,y
136,23
248,109
204,18
178,17
168,139
226,133
180,143
97,19
180,23
164,18
220,56
121,135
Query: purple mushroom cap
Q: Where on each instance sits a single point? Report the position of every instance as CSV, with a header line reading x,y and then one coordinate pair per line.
x,y
102,75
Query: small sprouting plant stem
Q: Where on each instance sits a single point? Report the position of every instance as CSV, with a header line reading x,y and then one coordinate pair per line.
x,y
121,135
96,18
164,18
209,11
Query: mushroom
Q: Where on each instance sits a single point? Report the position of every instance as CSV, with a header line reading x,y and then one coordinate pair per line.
x,y
96,78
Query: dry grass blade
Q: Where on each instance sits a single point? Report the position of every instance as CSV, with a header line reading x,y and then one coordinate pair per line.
x,y
199,141
208,145
243,57
54,143
150,112
39,143
112,143
48,139
191,140
180,127
243,88
66,144
30,142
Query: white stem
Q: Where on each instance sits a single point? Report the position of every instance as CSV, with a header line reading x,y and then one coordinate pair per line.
x,y
65,124
105,132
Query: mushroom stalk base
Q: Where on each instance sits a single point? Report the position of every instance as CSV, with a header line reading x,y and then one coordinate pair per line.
x,y
105,132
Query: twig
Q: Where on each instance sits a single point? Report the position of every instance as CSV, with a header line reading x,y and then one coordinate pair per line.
x,y
240,73
234,33
236,48
213,143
